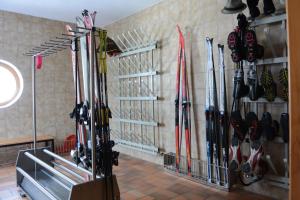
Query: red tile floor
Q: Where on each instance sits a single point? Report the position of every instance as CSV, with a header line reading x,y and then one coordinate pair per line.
x,y
143,180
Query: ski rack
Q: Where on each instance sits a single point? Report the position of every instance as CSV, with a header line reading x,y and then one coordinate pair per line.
x,y
38,173
135,71
277,18
198,171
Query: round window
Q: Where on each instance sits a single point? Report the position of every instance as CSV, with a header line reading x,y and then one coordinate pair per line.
x,y
11,84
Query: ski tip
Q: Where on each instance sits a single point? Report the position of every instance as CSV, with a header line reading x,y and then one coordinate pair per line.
x,y
220,46
85,12
178,28
208,39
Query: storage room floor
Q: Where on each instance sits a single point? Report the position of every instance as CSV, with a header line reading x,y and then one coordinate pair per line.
x,y
142,180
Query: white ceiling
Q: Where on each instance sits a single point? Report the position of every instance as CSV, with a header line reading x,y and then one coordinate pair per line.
x,y
108,11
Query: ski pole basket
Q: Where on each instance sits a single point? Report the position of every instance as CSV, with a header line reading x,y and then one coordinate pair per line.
x,y
198,171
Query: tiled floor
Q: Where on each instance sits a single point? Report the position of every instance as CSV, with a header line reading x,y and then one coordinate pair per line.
x,y
143,181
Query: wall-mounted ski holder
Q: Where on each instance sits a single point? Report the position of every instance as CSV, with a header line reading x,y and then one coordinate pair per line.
x,y
134,70
198,171
39,174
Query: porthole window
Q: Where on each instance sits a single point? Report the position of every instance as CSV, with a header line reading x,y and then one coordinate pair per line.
x,y
11,84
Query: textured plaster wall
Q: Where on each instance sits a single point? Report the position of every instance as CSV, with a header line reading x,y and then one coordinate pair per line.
x,y
201,18
54,82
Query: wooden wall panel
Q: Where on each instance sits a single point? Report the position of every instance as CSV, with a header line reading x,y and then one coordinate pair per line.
x,y
293,10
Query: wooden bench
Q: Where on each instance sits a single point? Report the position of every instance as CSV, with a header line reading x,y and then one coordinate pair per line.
x,y
27,140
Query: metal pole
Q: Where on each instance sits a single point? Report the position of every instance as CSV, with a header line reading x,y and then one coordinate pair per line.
x,y
68,171
92,96
33,104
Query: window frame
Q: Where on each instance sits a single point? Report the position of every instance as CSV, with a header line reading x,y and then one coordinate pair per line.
x,y
19,83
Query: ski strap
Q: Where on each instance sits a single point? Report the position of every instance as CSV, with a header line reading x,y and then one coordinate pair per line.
x,y
102,50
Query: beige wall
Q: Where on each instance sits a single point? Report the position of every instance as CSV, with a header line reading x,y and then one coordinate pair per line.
x,y
55,86
203,18
54,82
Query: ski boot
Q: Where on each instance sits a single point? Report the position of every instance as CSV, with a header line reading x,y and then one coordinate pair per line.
x,y
269,7
234,45
284,123
235,155
253,9
253,50
242,22
283,79
255,90
270,127
255,129
238,124
268,84
252,170
240,89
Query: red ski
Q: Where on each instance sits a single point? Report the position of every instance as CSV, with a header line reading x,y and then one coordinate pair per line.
x,y
181,80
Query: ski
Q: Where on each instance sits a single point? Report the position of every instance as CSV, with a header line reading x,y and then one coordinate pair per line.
x,y
80,131
85,77
185,104
213,151
223,115
177,124
182,101
207,114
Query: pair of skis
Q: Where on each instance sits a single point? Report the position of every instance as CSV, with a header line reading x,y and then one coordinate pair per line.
x,y
182,106
216,119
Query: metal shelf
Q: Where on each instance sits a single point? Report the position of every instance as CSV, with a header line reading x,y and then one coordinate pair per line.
x,y
146,123
278,181
146,98
277,100
268,20
151,73
270,61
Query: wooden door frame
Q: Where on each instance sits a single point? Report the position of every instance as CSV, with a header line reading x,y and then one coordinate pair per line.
x,y
293,17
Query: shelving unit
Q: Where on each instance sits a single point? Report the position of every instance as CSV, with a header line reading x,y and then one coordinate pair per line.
x,y
271,61
135,71
277,100
276,62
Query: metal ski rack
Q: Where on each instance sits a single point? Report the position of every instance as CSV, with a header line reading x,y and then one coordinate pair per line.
x,y
198,171
42,174
135,72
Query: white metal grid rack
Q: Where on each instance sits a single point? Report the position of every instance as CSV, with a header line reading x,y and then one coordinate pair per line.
x,y
135,72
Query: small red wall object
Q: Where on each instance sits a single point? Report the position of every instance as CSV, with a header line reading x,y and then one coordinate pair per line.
x,y
38,61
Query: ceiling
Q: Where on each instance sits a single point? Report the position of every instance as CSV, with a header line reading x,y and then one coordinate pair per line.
x,y
108,11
